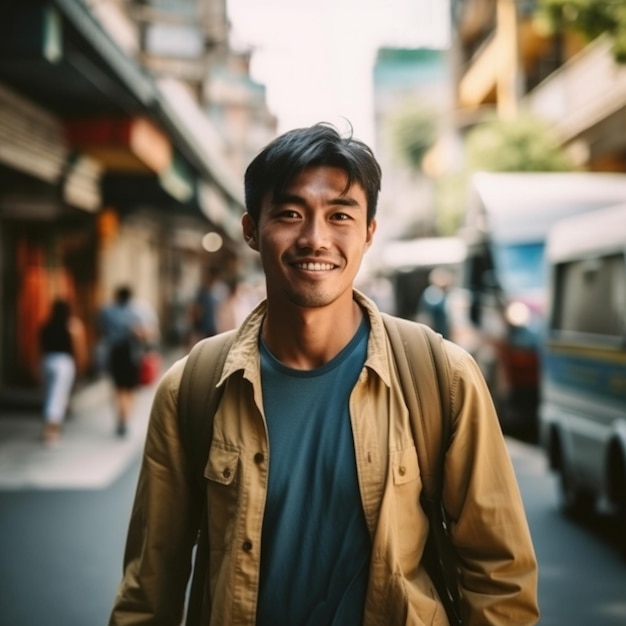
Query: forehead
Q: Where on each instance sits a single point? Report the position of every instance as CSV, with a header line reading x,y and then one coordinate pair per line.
x,y
323,178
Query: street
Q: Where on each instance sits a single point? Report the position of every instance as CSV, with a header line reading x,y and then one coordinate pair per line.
x,y
581,575
62,553
165,165
62,550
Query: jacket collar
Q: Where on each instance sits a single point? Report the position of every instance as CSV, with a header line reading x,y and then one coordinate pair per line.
x,y
244,354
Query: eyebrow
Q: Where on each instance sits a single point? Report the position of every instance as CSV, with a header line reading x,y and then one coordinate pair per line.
x,y
290,198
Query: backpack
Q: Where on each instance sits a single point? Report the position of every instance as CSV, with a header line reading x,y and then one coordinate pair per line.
x,y
422,369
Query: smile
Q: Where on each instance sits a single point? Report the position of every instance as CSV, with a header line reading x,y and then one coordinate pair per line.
x,y
315,267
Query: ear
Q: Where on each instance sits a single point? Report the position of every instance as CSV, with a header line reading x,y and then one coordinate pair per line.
x,y
249,231
369,236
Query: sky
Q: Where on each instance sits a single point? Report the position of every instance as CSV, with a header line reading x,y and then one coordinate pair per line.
x,y
316,57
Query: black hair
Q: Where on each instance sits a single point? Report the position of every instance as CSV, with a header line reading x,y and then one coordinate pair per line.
x,y
60,312
273,169
123,294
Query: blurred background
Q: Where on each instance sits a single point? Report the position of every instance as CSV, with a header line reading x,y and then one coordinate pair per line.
x,y
126,127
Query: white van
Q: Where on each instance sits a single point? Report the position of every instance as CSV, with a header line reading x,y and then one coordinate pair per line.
x,y
583,383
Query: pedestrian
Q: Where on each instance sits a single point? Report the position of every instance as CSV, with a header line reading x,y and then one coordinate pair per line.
x,y
312,477
124,334
63,349
432,308
203,311
234,306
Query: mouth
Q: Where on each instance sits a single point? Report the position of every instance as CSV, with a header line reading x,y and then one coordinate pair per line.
x,y
315,267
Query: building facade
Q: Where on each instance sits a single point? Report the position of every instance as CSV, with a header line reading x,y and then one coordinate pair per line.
x,y
111,172
509,62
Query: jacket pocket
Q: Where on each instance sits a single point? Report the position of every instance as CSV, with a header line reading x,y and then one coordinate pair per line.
x,y
404,466
222,463
222,473
411,524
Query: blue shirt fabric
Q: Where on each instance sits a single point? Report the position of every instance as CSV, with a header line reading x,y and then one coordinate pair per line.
x,y
117,322
207,301
315,545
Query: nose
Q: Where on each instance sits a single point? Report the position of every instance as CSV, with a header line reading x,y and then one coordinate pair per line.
x,y
314,234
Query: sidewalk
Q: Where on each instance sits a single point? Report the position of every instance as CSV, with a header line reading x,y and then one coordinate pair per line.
x,y
89,456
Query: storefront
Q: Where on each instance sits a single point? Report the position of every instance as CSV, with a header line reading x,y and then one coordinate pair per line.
x,y
99,182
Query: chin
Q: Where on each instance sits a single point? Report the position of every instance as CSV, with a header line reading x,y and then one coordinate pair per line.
x,y
314,298
311,301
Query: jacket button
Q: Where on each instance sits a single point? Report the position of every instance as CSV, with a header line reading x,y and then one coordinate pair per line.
x,y
259,458
402,470
247,546
226,473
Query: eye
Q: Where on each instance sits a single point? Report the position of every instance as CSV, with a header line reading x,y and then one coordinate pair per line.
x,y
286,213
341,217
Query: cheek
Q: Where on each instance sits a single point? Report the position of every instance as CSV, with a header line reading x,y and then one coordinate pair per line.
x,y
276,241
270,248
359,249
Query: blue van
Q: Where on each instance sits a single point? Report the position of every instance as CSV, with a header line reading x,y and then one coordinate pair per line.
x,y
508,218
583,383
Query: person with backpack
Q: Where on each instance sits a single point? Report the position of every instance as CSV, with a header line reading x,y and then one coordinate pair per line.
x,y
324,463
125,329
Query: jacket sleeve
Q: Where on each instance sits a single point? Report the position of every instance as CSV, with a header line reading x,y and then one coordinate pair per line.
x,y
482,498
164,522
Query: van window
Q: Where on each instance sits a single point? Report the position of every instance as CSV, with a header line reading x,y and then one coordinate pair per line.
x,y
590,296
521,266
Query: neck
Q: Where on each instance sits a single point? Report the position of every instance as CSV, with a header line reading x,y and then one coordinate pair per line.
x,y
308,338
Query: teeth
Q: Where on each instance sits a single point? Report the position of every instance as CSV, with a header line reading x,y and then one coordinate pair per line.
x,y
315,266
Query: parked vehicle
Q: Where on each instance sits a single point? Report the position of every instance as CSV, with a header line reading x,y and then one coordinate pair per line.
x,y
504,276
408,264
583,404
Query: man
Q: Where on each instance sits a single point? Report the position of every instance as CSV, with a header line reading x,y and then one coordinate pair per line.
x,y
313,481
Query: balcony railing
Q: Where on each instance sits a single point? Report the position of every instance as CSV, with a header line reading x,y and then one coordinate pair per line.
x,y
587,89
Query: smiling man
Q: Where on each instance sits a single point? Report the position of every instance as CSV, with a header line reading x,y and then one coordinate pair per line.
x,y
312,481
311,236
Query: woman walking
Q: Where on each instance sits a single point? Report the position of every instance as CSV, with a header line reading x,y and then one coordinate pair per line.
x,y
64,352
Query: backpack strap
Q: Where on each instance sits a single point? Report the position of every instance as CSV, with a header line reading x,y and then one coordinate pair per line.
x,y
418,354
198,399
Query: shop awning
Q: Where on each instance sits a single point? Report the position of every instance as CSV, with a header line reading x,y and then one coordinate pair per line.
x,y
56,54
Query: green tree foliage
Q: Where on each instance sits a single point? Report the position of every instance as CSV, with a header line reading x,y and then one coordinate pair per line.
x,y
591,18
412,132
450,198
524,144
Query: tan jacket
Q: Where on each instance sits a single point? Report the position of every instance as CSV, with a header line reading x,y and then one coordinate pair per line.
x,y
499,570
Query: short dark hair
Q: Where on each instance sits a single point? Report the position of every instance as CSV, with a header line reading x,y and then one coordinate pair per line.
x,y
60,311
273,169
123,294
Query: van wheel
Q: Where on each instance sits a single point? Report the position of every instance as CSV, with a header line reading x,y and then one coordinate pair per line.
x,y
621,533
617,493
575,502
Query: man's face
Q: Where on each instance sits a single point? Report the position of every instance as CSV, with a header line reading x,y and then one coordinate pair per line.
x,y
312,238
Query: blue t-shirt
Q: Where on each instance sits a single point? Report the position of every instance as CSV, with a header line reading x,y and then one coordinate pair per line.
x,y
315,548
118,320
